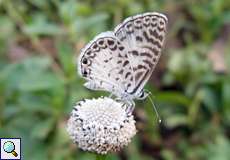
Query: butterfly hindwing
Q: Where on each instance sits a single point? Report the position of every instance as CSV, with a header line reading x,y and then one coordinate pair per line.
x,y
104,63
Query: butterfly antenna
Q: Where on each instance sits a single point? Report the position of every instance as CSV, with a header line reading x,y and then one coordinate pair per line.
x,y
154,107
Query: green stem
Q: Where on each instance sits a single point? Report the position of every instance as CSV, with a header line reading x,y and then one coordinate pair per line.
x,y
101,157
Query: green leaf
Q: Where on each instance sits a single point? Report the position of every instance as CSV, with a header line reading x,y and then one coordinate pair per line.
x,y
34,103
176,120
210,99
36,64
39,3
40,26
43,128
218,150
83,24
193,109
226,101
42,81
6,28
67,58
173,97
34,148
10,111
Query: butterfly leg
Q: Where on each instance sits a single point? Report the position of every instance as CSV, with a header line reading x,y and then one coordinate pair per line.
x,y
129,106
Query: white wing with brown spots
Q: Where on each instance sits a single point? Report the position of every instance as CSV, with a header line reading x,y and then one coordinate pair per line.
x,y
105,65
122,61
143,35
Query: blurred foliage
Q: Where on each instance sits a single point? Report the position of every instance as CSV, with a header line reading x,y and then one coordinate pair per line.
x,y
39,84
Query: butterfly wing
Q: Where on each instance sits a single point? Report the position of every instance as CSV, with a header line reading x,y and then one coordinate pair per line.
x,y
104,64
143,35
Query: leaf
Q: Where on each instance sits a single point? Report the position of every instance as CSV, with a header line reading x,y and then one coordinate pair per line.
x,y
70,10
210,99
36,64
34,148
82,24
32,103
226,17
29,75
173,97
226,101
168,154
42,81
29,65
8,77
218,150
66,57
176,120
40,26
39,3
177,63
43,128
20,124
193,109
67,11
7,28
10,111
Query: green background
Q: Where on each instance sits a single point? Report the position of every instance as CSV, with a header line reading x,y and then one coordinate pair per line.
x,y
41,39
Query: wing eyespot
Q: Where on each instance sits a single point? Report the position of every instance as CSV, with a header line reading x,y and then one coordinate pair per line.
x,y
110,42
84,61
85,72
95,46
88,53
101,42
121,48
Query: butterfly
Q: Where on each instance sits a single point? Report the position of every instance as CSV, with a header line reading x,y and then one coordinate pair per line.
x,y
122,61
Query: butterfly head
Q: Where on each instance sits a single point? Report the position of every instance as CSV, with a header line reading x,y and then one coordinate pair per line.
x,y
142,95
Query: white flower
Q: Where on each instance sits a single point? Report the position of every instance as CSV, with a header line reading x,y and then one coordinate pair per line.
x,y
101,125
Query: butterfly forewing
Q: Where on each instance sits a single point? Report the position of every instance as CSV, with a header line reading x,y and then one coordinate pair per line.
x,y
143,35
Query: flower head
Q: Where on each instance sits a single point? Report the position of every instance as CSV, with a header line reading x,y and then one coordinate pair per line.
x,y
101,125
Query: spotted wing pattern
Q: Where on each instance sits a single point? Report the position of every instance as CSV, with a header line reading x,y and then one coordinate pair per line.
x,y
122,61
143,35
105,64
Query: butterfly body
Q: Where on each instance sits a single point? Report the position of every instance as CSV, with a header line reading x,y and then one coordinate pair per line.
x,y
122,61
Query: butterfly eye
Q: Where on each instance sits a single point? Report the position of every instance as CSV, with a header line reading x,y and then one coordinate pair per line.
x,y
142,95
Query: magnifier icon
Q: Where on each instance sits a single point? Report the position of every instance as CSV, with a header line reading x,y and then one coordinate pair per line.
x,y
9,147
